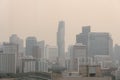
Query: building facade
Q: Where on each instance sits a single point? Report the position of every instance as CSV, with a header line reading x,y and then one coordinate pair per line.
x,y
117,53
83,37
37,52
30,42
99,43
14,39
9,58
52,53
41,45
61,42
78,56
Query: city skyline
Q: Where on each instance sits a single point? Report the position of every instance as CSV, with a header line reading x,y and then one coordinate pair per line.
x,y
33,20
60,39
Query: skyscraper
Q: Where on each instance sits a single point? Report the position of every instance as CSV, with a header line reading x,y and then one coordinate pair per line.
x,y
99,43
36,52
77,54
30,42
61,42
14,39
41,45
9,58
83,37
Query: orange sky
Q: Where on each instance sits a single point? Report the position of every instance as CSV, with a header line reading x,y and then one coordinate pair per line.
x,y
40,18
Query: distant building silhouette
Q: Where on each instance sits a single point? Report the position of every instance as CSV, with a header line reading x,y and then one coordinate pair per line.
x,y
36,50
99,44
77,54
52,53
83,37
14,39
41,45
61,42
9,58
30,42
117,53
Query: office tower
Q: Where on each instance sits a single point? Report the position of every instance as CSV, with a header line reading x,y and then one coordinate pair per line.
x,y
117,53
30,42
83,37
14,39
41,45
99,44
37,52
52,53
78,54
61,42
9,48
8,63
79,51
9,58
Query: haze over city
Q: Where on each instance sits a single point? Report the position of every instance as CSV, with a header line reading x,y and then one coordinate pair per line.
x,y
59,40
40,18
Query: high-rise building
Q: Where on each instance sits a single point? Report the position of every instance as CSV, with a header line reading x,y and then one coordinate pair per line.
x,y
36,52
42,65
77,56
83,37
28,64
14,39
9,48
41,45
30,42
52,53
99,44
9,58
79,51
61,42
117,53
7,63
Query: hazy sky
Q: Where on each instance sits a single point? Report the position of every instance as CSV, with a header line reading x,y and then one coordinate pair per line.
x,y
40,18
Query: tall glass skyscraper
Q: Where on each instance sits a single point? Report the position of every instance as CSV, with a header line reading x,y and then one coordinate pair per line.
x,y
61,42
